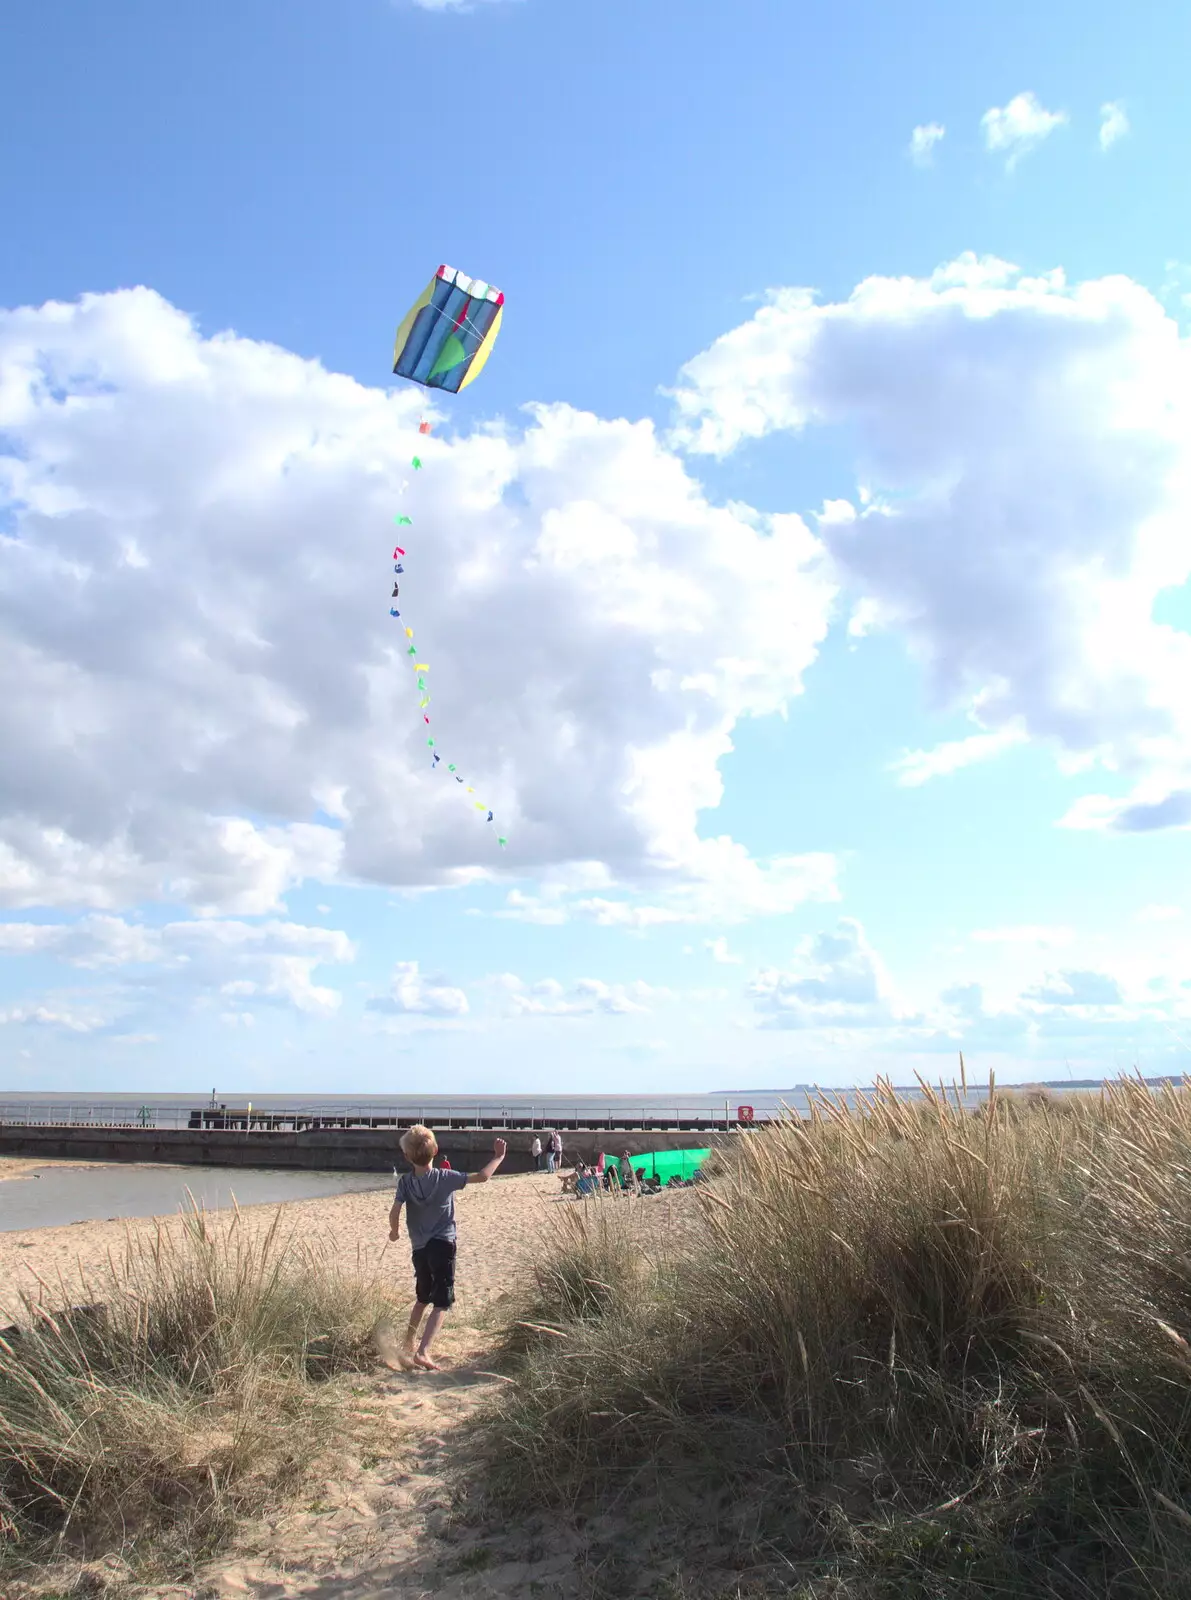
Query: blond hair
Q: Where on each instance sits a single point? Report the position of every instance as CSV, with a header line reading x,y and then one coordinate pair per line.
x,y
419,1146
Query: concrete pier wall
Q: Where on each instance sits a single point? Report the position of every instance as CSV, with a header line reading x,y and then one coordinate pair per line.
x,y
324,1150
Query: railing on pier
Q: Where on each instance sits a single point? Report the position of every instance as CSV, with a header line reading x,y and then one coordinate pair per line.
x,y
458,1114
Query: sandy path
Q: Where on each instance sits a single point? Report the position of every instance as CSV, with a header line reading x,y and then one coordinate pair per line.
x,y
387,1521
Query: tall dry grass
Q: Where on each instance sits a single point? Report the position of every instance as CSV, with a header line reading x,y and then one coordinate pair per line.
x,y
907,1350
188,1389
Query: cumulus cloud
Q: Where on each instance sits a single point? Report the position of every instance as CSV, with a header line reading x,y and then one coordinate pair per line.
x,y
1024,446
411,993
550,998
1152,807
836,979
270,960
1077,988
194,544
726,885
1019,127
923,141
838,985
1114,124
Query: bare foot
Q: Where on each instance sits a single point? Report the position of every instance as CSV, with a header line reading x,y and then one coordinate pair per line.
x,y
398,1356
427,1363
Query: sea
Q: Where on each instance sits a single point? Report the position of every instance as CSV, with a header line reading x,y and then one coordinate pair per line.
x,y
57,1194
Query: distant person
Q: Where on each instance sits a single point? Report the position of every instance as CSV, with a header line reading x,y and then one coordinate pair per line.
x,y
535,1151
444,1165
429,1200
628,1178
556,1149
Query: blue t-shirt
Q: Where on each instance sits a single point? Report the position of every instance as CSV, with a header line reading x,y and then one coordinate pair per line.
x,y
429,1200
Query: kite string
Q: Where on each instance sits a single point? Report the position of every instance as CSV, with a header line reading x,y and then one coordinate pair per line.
x,y
422,666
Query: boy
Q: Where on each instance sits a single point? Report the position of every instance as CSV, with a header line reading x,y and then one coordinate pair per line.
x,y
429,1200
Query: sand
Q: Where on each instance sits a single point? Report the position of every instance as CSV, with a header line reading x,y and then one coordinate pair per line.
x,y
385,1521
498,1225
19,1167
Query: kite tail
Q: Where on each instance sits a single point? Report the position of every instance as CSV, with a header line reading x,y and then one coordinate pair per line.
x,y
423,667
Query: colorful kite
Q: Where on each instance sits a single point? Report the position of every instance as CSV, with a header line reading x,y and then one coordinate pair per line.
x,y
443,344
448,335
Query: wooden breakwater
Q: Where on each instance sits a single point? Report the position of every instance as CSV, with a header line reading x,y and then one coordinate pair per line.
x,y
324,1149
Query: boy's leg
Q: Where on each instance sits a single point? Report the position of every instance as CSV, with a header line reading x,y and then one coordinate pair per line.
x,y
424,1290
422,1355
415,1321
441,1262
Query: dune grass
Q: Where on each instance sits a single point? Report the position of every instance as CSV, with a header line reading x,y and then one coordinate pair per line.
x,y
189,1389
903,1351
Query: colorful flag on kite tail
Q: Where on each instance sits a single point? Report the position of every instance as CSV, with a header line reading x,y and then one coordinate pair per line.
x,y
443,343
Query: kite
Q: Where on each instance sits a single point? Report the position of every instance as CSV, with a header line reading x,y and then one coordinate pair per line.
x,y
444,343
449,332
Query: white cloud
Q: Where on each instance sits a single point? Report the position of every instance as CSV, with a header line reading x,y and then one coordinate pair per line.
x,y
1027,934
1077,988
718,951
272,960
917,767
595,627
1034,438
443,5
836,979
724,884
411,993
1159,913
550,998
1155,804
923,141
1019,127
42,1016
1114,124
838,990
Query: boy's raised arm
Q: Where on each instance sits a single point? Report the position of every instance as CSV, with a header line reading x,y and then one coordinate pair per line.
x,y
499,1148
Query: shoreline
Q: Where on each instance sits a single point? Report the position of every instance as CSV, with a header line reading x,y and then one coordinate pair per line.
x,y
499,1224
26,1166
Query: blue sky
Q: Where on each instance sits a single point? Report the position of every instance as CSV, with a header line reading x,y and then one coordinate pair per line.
x,y
823,656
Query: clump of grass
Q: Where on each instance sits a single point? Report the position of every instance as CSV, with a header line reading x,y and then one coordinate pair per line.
x,y
189,1390
909,1350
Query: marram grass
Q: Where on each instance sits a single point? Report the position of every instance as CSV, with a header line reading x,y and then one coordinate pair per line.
x,y
905,1350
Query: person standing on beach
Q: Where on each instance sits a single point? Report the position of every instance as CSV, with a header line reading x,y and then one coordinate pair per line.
x,y
429,1200
555,1150
550,1157
535,1151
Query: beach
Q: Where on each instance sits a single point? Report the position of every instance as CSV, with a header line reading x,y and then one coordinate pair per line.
x,y
498,1224
379,1518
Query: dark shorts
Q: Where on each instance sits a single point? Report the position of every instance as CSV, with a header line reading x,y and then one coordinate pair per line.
x,y
434,1274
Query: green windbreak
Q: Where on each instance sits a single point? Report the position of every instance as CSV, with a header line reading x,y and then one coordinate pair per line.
x,y
664,1164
